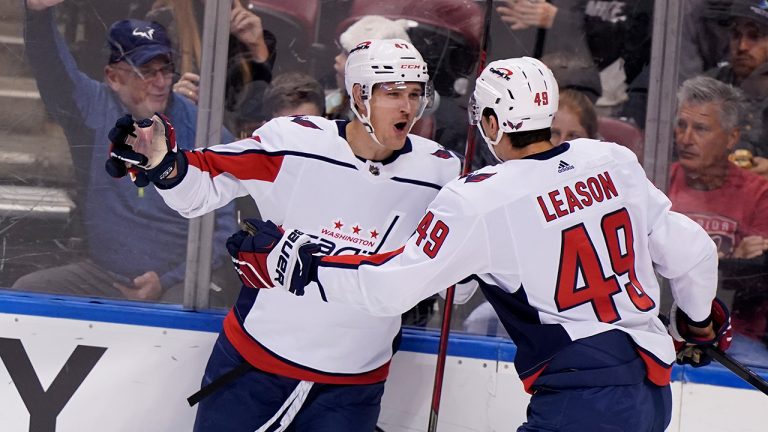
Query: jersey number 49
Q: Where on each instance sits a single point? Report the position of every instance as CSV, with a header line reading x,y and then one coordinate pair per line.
x,y
579,255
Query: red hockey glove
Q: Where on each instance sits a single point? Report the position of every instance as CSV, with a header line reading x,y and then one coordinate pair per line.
x,y
690,348
265,257
146,149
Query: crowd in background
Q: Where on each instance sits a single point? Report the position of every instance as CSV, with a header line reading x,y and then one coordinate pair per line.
x,y
287,57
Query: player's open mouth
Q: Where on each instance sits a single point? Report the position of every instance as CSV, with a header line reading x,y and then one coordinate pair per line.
x,y
401,126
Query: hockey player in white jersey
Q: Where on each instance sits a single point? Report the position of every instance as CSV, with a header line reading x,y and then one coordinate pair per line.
x,y
357,187
564,242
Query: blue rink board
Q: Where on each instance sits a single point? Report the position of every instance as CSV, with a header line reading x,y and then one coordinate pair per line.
x,y
414,340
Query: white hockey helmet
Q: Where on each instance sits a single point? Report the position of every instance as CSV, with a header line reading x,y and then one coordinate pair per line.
x,y
384,61
521,91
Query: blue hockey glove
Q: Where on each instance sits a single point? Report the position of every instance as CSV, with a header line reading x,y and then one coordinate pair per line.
x,y
266,257
690,348
145,149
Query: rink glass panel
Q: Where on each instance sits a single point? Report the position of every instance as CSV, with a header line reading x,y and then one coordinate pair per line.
x,y
45,182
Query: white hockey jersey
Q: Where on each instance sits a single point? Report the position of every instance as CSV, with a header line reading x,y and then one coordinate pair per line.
x,y
564,245
302,174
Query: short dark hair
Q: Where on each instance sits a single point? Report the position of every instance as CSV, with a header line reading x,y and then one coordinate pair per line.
x,y
522,139
292,89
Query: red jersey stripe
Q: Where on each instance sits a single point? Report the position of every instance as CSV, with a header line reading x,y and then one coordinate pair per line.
x,y
244,166
658,373
267,362
531,379
358,260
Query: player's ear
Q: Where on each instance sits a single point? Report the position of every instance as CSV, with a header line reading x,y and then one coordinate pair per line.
x,y
490,125
357,99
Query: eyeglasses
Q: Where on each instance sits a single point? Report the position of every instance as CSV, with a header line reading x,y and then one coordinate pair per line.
x,y
147,73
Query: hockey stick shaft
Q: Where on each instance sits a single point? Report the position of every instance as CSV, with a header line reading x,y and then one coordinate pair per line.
x,y
739,369
442,355
445,328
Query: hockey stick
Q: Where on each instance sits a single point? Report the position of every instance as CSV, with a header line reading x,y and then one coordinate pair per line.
x,y
739,369
469,152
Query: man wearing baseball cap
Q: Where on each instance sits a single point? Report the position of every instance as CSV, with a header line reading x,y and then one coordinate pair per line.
x,y
747,68
140,68
748,50
120,260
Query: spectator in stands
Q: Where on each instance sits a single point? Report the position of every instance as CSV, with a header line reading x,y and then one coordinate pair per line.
x,y
728,202
251,56
747,68
121,260
618,37
367,27
294,93
290,93
575,118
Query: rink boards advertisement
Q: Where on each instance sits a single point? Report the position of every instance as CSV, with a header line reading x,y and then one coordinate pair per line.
x,y
77,365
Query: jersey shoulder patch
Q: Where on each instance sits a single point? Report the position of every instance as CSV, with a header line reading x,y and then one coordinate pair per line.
x,y
443,154
475,177
304,121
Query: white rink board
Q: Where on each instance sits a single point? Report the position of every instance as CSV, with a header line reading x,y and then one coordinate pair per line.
x,y
476,396
142,380
140,383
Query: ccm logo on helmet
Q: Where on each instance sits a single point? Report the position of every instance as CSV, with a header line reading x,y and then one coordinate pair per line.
x,y
502,72
410,66
361,46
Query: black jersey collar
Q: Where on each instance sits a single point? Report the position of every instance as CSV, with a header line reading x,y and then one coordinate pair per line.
x,y
549,154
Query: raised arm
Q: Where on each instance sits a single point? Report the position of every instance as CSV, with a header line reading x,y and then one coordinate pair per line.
x,y
191,182
65,90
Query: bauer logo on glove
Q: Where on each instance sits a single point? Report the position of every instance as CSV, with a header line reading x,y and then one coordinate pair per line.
x,y
265,257
145,149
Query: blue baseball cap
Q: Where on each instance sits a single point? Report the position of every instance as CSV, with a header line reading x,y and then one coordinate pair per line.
x,y
137,42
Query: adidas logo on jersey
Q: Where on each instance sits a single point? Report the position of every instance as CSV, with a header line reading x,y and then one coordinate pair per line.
x,y
564,166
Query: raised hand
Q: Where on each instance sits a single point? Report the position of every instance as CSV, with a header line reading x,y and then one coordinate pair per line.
x,y
188,86
246,26
145,149
522,14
